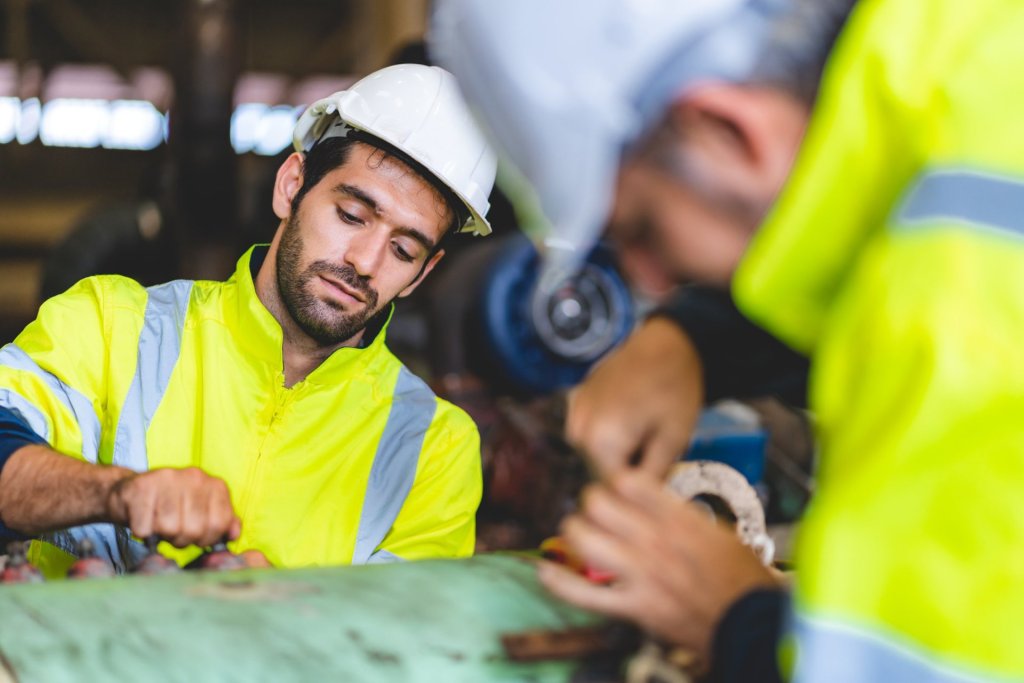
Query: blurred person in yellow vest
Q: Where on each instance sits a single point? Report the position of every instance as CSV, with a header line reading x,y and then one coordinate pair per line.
x,y
852,174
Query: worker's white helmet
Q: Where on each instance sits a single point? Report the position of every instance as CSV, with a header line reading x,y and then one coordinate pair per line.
x,y
419,111
565,86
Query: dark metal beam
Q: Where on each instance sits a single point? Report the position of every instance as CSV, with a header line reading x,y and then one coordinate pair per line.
x,y
82,34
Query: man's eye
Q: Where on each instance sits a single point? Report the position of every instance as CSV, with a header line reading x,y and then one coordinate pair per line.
x,y
402,254
349,218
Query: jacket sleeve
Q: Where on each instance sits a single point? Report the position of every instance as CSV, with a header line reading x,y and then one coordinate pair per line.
x,y
739,359
746,644
52,376
439,515
14,434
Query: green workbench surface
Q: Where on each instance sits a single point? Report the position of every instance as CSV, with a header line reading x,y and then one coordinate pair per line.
x,y
433,621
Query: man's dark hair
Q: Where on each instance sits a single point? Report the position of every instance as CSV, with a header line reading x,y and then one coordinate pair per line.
x,y
332,153
801,40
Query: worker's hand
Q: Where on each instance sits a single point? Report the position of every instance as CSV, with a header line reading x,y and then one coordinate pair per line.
x,y
676,571
255,559
182,506
640,402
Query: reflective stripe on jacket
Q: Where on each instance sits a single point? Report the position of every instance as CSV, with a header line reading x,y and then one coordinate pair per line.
x,y
359,462
895,256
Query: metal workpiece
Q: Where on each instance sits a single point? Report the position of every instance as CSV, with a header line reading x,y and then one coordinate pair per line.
x,y
16,567
89,565
437,620
716,485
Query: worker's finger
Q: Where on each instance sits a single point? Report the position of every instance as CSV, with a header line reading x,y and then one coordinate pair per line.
x,y
220,515
642,490
194,516
168,515
614,514
661,450
574,589
609,446
254,558
140,502
605,439
595,547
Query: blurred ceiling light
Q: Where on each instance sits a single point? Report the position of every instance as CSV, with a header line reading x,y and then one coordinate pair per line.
x,y
262,129
90,106
133,124
10,112
28,121
74,123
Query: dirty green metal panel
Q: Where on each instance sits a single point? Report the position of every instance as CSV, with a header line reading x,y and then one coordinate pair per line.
x,y
424,621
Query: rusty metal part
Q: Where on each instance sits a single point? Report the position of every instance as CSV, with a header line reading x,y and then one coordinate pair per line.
x,y
218,559
154,562
656,664
705,479
532,477
18,569
88,565
613,638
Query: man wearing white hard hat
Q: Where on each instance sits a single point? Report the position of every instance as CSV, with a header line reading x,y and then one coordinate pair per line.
x,y
265,410
882,173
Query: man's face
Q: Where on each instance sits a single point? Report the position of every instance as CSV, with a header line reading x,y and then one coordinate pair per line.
x,y
669,229
359,239
691,196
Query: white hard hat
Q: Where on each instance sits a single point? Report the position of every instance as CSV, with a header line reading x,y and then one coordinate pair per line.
x,y
419,111
564,86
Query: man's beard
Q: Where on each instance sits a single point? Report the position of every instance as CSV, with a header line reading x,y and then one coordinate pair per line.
x,y
322,321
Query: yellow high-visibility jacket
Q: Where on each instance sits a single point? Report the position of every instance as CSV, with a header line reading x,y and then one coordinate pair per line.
x,y
895,257
357,463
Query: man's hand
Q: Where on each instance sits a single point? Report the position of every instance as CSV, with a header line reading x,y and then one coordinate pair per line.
x,y
641,401
182,506
254,559
677,572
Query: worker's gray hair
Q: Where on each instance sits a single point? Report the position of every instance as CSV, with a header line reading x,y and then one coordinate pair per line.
x,y
798,46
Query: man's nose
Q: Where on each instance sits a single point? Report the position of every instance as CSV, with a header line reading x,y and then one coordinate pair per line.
x,y
365,251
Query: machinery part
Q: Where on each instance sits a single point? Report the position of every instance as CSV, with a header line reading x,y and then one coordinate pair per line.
x,y
418,622
555,549
88,565
540,341
417,109
154,562
18,569
532,477
731,432
571,643
218,559
715,482
579,317
656,664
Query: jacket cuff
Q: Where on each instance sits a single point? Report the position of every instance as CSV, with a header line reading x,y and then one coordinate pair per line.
x,y
14,434
746,642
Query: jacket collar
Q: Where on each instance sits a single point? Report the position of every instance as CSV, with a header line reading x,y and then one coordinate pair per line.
x,y
259,334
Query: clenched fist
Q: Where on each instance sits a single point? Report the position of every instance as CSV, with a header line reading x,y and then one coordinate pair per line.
x,y
182,506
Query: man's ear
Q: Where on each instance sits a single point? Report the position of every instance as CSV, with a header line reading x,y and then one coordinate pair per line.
x,y
287,185
419,278
752,132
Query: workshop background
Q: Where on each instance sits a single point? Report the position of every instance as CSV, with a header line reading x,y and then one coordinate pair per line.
x,y
141,138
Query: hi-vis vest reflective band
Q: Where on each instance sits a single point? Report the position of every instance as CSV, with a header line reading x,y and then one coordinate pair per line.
x,y
895,256
359,462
